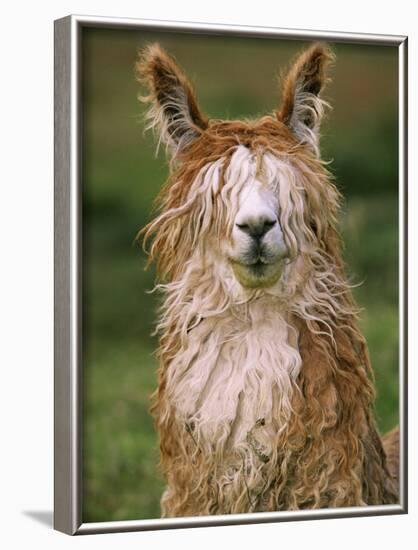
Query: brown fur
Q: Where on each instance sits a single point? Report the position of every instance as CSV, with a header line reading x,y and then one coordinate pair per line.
x,y
330,453
308,73
166,81
391,446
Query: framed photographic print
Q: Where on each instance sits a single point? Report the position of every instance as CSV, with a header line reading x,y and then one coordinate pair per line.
x,y
230,282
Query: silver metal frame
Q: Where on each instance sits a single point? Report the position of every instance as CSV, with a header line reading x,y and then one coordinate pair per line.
x,y
67,355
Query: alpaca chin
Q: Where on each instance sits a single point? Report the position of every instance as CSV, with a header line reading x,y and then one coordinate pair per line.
x,y
257,275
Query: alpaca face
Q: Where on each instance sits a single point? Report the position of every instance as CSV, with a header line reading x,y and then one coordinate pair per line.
x,y
250,217
238,190
257,247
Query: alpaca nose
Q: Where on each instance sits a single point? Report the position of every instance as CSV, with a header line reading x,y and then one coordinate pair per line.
x,y
256,227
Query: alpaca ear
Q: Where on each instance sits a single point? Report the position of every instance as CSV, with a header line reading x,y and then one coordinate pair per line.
x,y
173,108
302,107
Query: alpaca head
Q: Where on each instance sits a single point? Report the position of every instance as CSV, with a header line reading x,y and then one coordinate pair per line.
x,y
250,198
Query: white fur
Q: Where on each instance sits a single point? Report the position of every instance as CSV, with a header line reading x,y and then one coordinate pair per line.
x,y
236,369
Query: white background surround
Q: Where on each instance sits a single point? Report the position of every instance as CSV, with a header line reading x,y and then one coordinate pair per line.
x,y
26,352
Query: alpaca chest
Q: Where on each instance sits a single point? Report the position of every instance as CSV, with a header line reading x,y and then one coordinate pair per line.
x,y
235,376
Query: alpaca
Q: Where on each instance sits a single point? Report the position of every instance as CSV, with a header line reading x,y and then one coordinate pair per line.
x,y
265,390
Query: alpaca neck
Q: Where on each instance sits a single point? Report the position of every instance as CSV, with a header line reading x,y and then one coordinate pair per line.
x,y
234,373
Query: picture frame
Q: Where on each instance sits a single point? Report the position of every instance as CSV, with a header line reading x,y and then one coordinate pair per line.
x,y
68,367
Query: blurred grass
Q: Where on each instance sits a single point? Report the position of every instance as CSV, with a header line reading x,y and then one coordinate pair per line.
x,y
121,177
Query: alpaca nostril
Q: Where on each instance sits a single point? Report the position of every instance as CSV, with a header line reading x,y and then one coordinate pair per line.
x,y
243,226
257,228
268,224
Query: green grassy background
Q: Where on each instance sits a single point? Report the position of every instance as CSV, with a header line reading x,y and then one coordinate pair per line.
x,y
234,78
